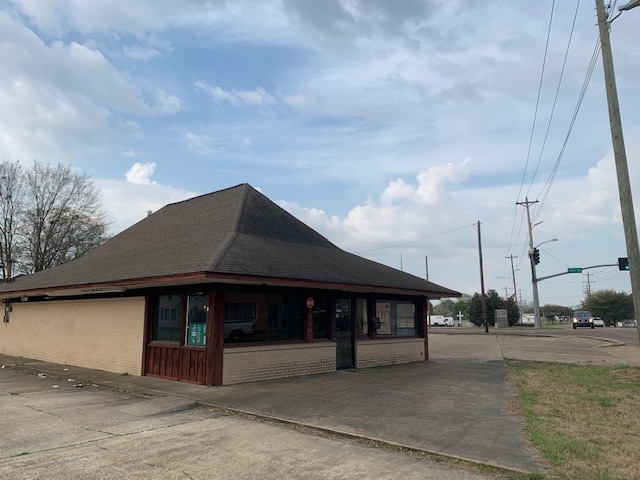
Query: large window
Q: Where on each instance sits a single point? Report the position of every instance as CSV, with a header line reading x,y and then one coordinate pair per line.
x,y
397,318
259,317
166,324
239,321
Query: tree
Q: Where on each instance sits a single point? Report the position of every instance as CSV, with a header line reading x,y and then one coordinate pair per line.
x,y
494,302
513,312
11,205
551,311
609,305
445,307
473,313
51,215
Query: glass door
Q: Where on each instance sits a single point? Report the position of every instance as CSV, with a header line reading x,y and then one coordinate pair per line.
x,y
196,325
344,334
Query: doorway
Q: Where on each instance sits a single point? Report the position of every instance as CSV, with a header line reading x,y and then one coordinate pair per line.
x,y
344,336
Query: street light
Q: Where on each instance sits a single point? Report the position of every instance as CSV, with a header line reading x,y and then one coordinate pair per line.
x,y
534,282
551,240
620,155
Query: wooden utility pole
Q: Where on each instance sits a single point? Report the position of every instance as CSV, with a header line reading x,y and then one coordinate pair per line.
x,y
620,156
484,298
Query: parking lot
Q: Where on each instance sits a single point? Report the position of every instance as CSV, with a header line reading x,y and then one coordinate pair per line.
x,y
321,426
52,428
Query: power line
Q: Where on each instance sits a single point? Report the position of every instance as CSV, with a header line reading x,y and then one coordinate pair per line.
x,y
381,246
555,100
533,127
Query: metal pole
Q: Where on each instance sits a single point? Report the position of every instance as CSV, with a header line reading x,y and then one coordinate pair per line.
x,y
534,280
484,298
619,153
513,275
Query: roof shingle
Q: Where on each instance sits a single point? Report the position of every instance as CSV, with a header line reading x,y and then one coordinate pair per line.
x,y
236,231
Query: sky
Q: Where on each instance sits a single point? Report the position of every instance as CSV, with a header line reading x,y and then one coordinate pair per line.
x,y
392,128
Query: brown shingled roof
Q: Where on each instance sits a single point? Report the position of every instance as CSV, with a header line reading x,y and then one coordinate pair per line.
x,y
236,233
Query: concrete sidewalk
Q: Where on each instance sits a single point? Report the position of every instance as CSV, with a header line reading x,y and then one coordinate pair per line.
x,y
453,404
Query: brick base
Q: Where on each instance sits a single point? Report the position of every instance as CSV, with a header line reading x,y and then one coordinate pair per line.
x,y
266,362
374,353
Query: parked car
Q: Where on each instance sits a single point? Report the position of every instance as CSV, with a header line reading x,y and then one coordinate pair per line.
x,y
582,318
629,323
237,331
598,322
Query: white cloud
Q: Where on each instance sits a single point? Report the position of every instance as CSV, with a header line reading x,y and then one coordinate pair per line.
x,y
141,53
167,104
258,97
201,144
127,203
140,173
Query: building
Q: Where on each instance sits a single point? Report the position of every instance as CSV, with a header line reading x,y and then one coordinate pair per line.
x,y
219,289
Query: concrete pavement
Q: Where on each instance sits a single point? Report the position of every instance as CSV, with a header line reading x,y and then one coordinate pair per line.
x,y
452,405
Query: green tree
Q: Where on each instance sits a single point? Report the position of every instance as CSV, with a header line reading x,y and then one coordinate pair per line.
x,y
473,313
513,312
445,307
549,311
494,302
609,305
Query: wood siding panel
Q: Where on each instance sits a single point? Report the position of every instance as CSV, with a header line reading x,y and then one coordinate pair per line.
x,y
163,361
193,363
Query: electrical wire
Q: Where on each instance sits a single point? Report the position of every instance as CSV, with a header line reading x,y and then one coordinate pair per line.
x,y
555,100
547,187
533,126
382,246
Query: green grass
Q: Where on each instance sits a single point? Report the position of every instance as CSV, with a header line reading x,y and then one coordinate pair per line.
x,y
581,419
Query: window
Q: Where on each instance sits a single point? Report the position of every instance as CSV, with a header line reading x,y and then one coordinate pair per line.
x,y
397,318
239,321
362,317
166,324
260,317
196,328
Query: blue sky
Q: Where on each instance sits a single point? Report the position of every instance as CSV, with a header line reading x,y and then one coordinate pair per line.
x,y
389,127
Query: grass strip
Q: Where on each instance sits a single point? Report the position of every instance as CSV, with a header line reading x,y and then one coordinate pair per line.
x,y
582,419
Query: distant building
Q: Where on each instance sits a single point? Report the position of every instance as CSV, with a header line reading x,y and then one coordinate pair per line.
x,y
219,289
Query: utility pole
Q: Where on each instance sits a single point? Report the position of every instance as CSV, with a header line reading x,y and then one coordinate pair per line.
x,y
587,289
534,279
484,298
513,275
620,155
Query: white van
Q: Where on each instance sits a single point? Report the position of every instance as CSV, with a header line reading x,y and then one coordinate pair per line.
x,y
440,321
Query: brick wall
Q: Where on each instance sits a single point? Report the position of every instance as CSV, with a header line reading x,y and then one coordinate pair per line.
x,y
265,362
389,351
105,334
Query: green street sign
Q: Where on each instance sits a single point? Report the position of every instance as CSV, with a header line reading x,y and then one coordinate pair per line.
x,y
574,270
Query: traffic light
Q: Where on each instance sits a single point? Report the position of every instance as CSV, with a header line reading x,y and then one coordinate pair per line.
x,y
536,256
623,263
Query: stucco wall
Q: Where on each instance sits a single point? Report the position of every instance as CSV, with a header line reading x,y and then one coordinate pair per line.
x,y
105,334
374,353
265,362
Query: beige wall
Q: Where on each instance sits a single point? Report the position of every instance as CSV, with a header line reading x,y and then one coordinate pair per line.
x,y
374,353
105,334
265,362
